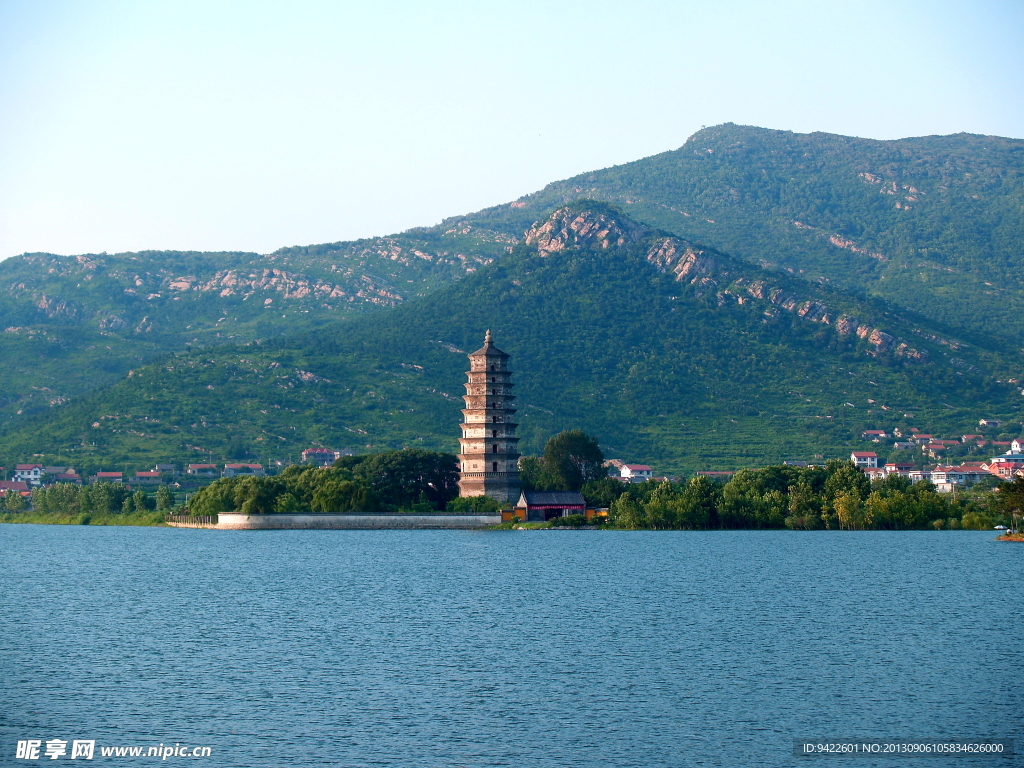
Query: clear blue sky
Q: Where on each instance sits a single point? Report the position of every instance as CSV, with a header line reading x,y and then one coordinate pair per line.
x,y
254,125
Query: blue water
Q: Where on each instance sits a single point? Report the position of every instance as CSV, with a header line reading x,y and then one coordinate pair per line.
x,y
546,648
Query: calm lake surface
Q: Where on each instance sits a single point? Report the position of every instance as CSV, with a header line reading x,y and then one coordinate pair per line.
x,y
506,648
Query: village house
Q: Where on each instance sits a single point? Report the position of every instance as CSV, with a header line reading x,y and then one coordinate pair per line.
x,y
14,486
865,459
166,469
244,470
1004,466
202,470
946,478
150,477
636,473
30,474
922,439
874,435
323,457
107,477
989,423
903,469
971,438
904,445
876,473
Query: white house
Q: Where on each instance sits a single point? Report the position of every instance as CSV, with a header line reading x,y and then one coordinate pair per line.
x,y
636,473
865,459
28,473
989,423
322,457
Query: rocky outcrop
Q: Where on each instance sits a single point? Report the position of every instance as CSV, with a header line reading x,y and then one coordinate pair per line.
x,y
707,271
698,267
54,307
569,226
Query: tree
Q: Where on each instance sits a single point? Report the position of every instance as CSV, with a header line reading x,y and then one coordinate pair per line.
x,y
217,497
411,476
848,507
164,498
804,507
700,504
14,501
602,492
474,505
627,513
344,493
259,496
844,477
531,473
1010,497
573,458
141,502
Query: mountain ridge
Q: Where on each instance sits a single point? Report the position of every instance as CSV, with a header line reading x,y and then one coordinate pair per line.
x,y
608,332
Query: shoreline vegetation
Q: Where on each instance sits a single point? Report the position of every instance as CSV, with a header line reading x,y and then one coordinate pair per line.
x,y
832,496
158,520
149,519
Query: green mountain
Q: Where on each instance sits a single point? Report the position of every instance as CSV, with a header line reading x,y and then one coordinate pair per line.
x,y
670,352
931,224
934,224
71,324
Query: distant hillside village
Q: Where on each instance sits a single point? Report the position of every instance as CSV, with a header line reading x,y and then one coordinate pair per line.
x,y
27,477
945,477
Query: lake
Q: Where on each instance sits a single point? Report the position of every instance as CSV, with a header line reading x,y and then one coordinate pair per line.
x,y
506,648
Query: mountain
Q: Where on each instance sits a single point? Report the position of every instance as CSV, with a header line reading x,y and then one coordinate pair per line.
x,y
931,224
669,351
934,224
70,324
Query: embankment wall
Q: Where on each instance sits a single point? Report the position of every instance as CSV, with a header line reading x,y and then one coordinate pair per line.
x,y
352,521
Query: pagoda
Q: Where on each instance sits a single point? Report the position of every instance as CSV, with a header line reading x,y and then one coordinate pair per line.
x,y
489,462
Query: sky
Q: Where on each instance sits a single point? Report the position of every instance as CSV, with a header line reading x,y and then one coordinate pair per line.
x,y
254,125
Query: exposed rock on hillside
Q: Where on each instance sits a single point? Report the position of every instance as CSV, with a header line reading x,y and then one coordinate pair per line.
x,y
593,225
568,226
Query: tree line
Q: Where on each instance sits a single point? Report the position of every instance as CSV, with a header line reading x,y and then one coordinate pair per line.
x,y
411,480
99,498
835,496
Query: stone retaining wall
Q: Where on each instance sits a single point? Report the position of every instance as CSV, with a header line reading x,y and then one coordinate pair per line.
x,y
352,521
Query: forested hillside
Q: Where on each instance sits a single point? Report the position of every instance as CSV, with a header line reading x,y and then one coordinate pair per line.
x,y
934,224
670,352
70,324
